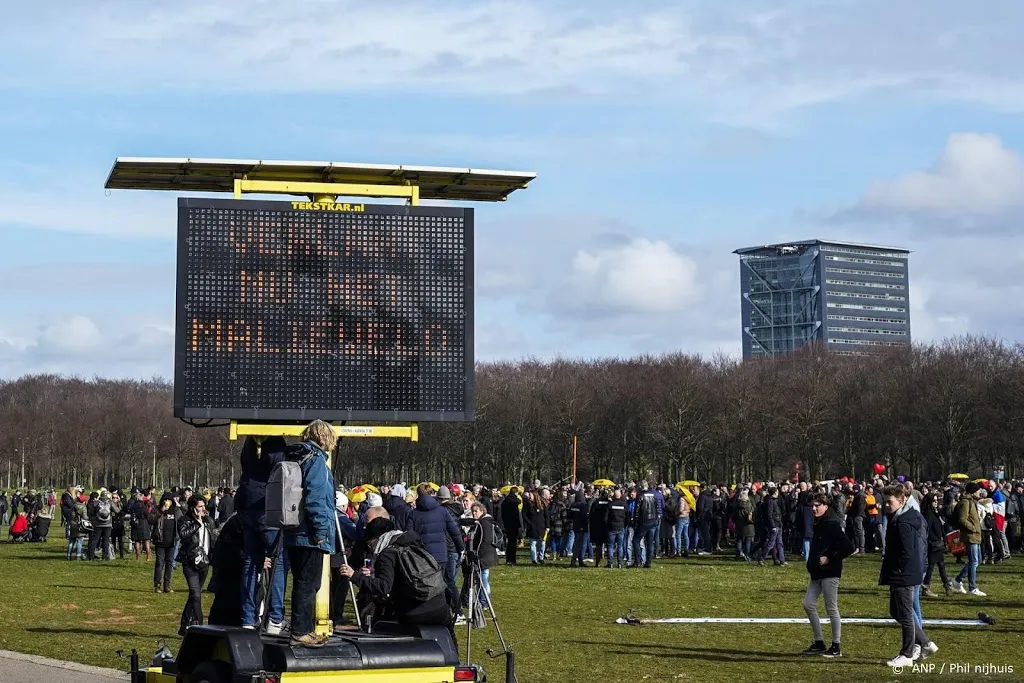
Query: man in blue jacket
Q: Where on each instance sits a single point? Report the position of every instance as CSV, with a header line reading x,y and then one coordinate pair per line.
x,y
314,537
435,527
258,459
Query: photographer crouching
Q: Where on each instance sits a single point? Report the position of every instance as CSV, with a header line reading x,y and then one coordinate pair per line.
x,y
403,581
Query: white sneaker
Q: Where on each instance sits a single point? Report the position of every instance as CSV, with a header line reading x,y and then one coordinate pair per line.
x,y
959,586
928,650
900,661
249,627
917,653
978,593
460,620
274,629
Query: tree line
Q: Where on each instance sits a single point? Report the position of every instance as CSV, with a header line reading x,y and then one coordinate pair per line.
x,y
924,412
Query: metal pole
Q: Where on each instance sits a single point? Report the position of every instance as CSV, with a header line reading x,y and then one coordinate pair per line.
x,y
351,588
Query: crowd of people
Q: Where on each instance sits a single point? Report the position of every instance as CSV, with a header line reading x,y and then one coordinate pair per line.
x,y
401,549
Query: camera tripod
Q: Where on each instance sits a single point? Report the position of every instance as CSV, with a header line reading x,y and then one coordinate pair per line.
x,y
475,613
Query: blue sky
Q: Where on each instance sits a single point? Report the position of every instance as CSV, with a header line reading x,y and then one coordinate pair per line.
x,y
665,135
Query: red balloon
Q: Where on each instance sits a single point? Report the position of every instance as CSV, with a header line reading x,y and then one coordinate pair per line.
x,y
879,468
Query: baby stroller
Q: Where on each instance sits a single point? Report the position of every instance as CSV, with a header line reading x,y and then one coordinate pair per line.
x,y
40,528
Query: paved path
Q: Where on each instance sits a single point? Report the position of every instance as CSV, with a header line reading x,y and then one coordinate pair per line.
x,y
18,668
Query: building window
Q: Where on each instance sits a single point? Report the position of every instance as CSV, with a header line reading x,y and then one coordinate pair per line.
x,y
866,342
872,273
865,252
867,330
857,283
865,307
866,261
866,319
862,295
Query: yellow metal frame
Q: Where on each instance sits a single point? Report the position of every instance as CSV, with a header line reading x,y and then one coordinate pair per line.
x,y
242,429
317,190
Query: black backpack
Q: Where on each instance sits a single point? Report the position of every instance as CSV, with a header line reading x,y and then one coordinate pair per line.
x,y
423,574
498,538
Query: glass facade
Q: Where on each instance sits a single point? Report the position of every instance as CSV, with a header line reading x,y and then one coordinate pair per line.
x,y
854,298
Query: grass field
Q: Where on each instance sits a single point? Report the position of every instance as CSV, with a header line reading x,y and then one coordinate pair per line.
x,y
560,621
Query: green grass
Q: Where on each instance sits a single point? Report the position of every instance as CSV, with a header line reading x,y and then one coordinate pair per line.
x,y
560,621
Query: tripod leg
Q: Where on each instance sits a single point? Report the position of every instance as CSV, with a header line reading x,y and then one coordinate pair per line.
x,y
469,614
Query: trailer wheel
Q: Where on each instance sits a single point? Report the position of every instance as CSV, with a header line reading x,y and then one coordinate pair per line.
x,y
211,672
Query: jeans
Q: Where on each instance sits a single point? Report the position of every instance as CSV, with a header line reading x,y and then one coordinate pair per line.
x,y
681,541
970,570
99,540
807,549
705,542
648,533
830,589
451,578
918,618
880,529
630,533
773,545
174,556
941,564
577,549
569,543
75,547
193,612
858,533
307,568
901,608
536,550
745,546
257,541
588,548
162,569
617,547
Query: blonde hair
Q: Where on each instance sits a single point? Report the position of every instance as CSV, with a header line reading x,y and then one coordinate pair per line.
x,y
322,434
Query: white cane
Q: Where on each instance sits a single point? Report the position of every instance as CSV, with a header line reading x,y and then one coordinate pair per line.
x,y
351,588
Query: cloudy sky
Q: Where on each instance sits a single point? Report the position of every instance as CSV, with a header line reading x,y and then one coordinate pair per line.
x,y
665,135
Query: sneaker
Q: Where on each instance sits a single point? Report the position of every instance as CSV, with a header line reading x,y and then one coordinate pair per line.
x,y
816,648
917,653
959,586
900,661
249,627
307,640
156,589
274,628
928,650
927,592
834,651
460,620
977,592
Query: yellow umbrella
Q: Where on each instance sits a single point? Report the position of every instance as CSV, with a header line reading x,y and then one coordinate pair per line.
x,y
688,482
958,476
508,487
604,482
685,493
982,480
368,487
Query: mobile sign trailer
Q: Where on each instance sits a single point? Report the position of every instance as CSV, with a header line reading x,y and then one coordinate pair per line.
x,y
287,312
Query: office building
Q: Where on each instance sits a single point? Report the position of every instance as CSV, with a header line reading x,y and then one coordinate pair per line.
x,y
853,298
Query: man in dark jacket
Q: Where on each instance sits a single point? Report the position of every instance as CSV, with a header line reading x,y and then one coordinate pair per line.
x,y
829,547
902,571
386,585
615,524
705,516
858,509
435,528
512,520
579,515
225,507
771,520
258,459
393,499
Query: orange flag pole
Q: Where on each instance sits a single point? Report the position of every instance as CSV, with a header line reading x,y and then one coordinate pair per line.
x,y
574,446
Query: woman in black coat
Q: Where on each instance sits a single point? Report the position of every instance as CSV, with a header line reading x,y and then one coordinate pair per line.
x,y
930,508
902,571
829,546
196,534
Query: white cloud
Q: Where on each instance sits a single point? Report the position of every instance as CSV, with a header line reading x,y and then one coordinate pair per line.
x,y
81,345
735,60
643,276
975,174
